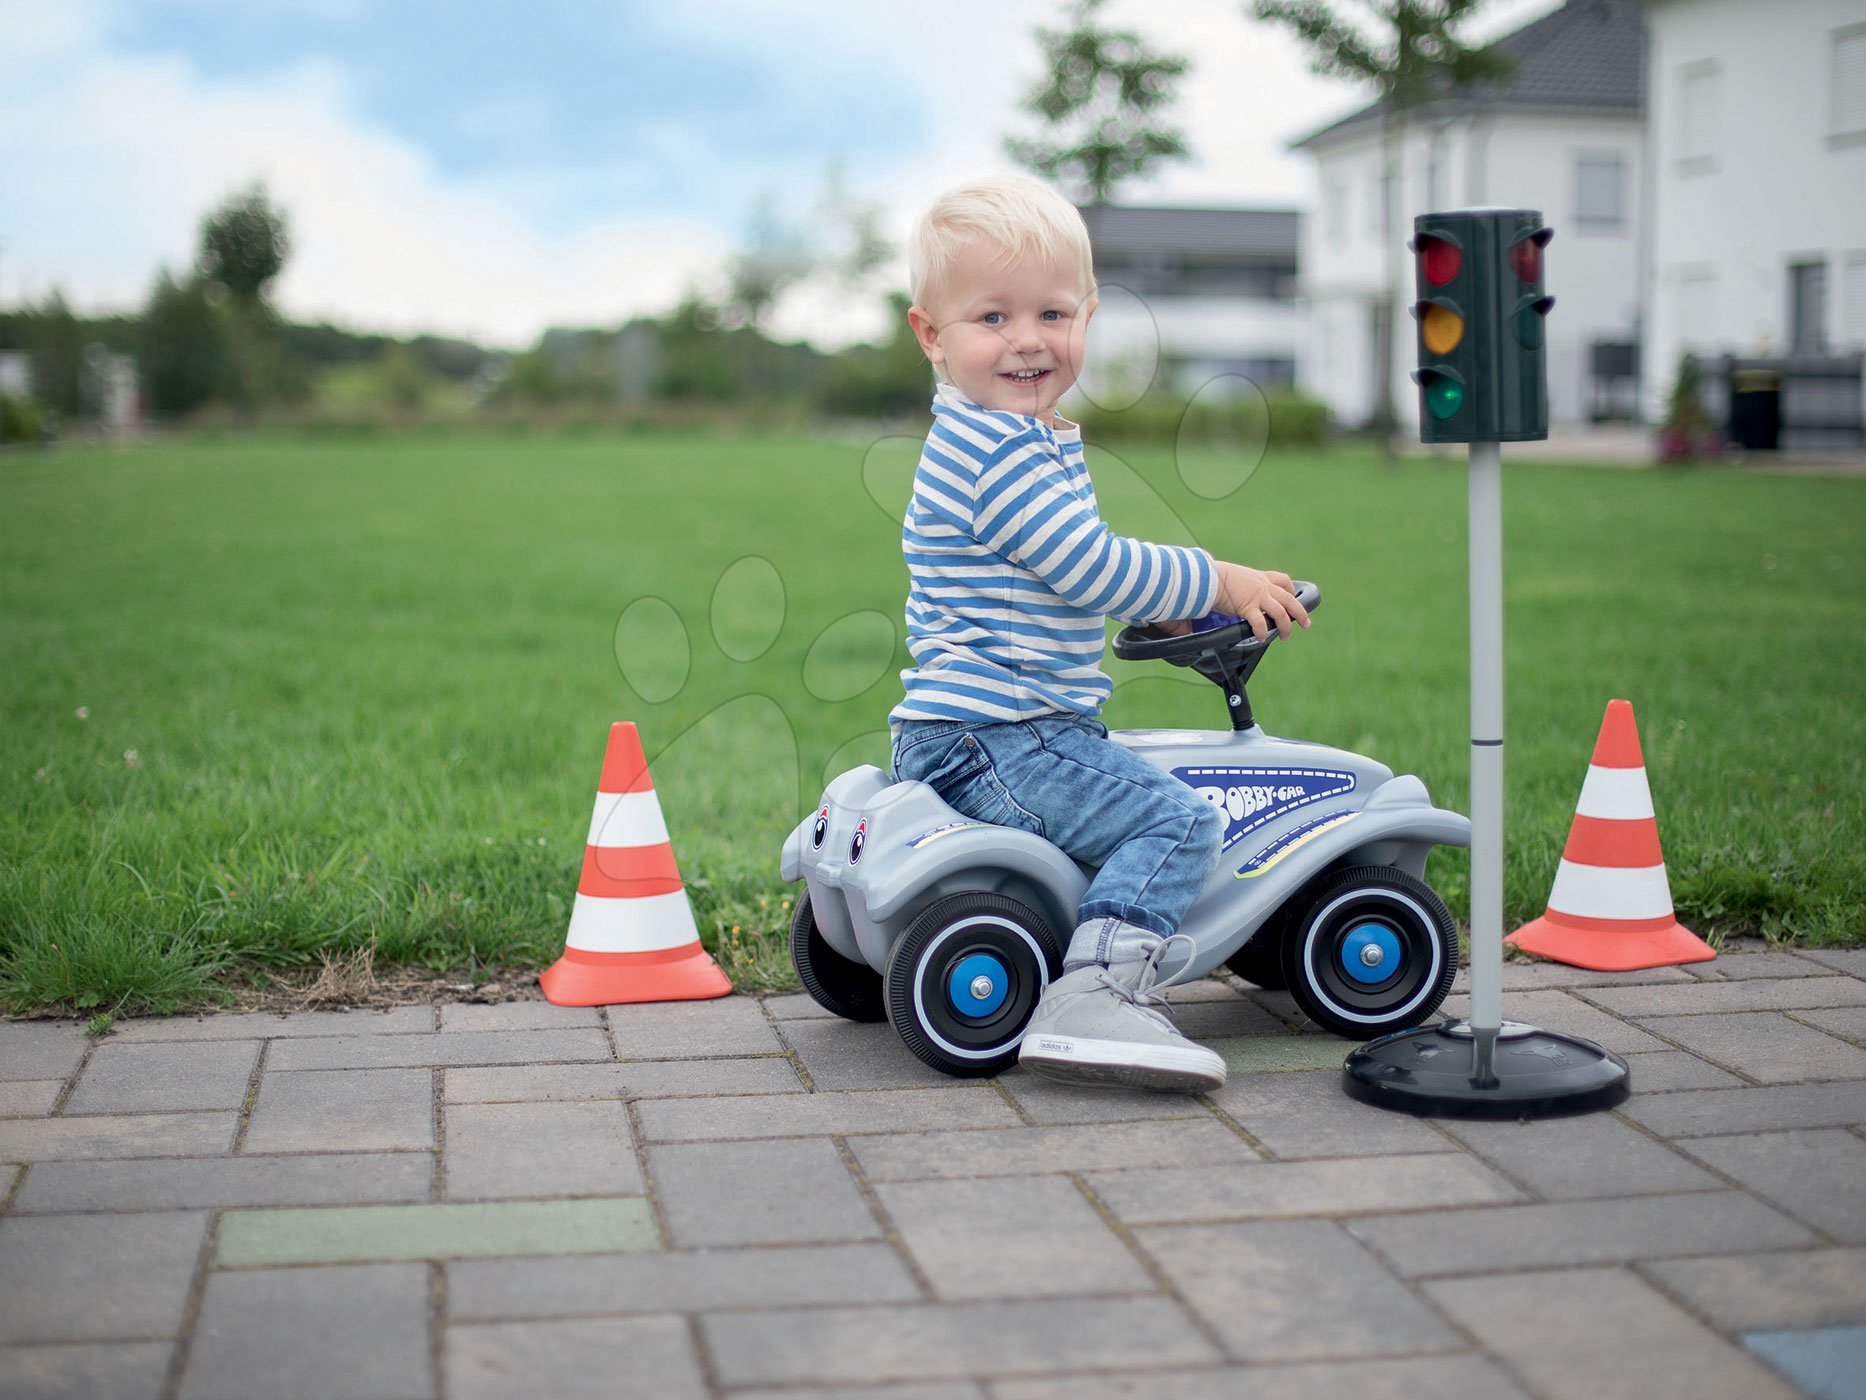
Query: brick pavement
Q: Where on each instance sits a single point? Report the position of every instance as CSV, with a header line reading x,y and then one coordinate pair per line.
x,y
752,1199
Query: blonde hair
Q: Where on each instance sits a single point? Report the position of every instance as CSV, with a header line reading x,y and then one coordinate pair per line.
x,y
1015,213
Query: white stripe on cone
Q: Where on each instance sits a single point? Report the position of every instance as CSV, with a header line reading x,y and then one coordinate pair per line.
x,y
1619,794
627,819
643,924
1605,892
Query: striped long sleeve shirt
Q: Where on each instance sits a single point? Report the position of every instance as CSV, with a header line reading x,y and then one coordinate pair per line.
x,y
1012,572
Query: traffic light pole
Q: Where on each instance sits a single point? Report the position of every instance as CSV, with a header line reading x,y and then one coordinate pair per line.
x,y
1486,583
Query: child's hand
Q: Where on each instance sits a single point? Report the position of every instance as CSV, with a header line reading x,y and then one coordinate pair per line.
x,y
1263,598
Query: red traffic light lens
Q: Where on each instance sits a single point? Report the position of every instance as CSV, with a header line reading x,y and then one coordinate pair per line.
x,y
1526,260
1440,259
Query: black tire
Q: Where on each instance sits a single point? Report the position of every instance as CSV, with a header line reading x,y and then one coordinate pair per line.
x,y
1260,961
850,989
962,942
1346,989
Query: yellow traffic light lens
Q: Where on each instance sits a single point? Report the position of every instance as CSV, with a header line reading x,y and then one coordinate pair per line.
x,y
1442,328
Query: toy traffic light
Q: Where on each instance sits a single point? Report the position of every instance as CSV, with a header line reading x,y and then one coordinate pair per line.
x,y
1483,370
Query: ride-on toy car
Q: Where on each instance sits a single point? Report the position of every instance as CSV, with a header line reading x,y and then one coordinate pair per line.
x,y
951,928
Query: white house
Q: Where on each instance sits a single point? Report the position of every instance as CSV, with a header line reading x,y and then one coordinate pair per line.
x,y
1564,135
1758,178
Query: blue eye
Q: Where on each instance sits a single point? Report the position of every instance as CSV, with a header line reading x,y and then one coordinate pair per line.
x,y
1052,315
992,318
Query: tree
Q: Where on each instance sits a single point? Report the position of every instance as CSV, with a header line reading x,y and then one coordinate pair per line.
x,y
244,245
1411,57
57,341
1101,99
184,346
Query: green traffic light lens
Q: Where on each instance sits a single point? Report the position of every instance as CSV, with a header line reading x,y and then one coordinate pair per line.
x,y
1443,397
1529,327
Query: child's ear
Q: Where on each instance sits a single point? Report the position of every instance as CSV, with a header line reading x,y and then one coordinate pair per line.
x,y
927,333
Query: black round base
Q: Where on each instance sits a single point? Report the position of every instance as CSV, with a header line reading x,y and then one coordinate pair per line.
x,y
1437,1071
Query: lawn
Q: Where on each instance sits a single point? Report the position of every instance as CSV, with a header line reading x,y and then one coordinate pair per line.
x,y
266,700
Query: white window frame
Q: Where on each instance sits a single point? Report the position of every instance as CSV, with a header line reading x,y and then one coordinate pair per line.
x,y
1846,128
1699,140
1595,224
1850,330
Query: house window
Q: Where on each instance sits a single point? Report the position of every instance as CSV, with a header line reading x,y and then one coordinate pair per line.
x,y
1697,309
1807,307
1600,191
1848,81
1853,301
1699,115
1335,212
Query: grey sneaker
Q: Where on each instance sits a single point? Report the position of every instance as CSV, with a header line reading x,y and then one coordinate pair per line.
x,y
1098,1025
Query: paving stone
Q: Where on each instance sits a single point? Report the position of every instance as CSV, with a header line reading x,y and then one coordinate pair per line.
x,y
639,1079
1602,1334
361,1330
1766,962
450,1048
968,1105
797,1006
517,1016
85,1371
79,1278
1345,1186
1534,975
1770,994
350,1111
187,1183
363,1234
1565,1011
572,1360
1562,1159
933,1341
28,1098
130,1135
1793,1288
787,1191
1047,1101
1848,1022
165,1078
1214,1017
844,1055
1817,1175
1260,1054
1577,1232
1305,1114
683,1029
1032,1151
1765,1045
1389,1378
935,1390
1826,1363
1661,1071
1293,1290
1028,1237
500,1150
1708,1112
1848,960
677,1281
40,1049
272,1025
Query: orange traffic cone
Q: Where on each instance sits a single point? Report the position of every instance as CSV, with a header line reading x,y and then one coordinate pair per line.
x,y
1611,908
631,935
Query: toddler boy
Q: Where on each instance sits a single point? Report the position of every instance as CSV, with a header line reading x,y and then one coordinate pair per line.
x,y
1011,575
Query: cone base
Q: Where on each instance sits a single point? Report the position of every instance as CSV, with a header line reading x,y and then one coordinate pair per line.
x,y
615,979
1610,949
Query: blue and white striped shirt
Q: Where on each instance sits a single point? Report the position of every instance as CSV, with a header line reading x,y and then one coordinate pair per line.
x,y
1012,572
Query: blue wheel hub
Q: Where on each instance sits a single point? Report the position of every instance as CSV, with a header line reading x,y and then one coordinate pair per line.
x,y
978,985
1371,953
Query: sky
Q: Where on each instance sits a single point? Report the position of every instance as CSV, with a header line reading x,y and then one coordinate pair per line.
x,y
488,170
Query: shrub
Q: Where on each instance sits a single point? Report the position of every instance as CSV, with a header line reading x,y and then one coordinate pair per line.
x,y
1279,418
20,420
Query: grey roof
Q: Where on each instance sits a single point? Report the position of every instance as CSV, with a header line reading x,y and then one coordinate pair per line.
x,y
1588,54
1119,229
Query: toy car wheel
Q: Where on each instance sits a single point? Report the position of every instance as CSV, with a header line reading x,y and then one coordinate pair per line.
x,y
964,978
1369,950
1260,961
850,989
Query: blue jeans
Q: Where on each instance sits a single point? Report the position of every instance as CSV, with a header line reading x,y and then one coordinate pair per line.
x,y
1062,778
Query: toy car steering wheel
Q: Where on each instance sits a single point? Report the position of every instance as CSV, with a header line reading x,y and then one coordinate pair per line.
x,y
1216,634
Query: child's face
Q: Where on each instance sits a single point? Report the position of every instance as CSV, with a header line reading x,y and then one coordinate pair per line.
x,y
1008,335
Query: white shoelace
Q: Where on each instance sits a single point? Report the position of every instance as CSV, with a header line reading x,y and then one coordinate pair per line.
x,y
1143,993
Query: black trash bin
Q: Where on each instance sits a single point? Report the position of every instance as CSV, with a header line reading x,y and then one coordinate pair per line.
x,y
1756,409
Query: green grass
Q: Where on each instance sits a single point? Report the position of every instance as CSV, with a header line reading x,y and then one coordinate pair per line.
x,y
366,686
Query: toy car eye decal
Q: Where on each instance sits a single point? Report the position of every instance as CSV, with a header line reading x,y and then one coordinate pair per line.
x,y
858,841
820,829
